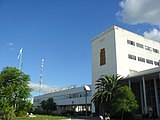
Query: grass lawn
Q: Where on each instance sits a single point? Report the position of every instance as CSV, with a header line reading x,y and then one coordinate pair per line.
x,y
42,117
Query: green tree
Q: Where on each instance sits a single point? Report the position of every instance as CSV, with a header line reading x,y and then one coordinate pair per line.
x,y
124,100
14,89
106,87
43,105
48,105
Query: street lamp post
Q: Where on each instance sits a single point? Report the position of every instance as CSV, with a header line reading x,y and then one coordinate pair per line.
x,y
86,88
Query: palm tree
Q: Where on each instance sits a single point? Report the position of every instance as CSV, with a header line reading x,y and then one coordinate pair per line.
x,y
106,87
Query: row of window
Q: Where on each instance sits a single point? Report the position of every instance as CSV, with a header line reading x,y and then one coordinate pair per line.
x,y
73,95
141,59
142,46
68,96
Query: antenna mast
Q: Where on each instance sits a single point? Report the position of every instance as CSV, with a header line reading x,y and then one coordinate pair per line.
x,y
40,82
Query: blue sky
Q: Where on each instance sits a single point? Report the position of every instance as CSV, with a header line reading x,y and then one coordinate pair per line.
x,y
60,32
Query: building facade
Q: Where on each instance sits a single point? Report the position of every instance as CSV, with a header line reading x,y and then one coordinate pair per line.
x,y
70,99
118,51
146,87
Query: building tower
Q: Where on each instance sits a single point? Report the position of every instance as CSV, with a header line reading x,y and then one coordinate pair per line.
x,y
118,51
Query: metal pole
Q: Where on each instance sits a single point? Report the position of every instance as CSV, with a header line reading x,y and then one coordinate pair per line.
x,y
86,104
86,88
40,82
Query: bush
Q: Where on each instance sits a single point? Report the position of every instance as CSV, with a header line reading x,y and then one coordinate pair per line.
x,y
21,113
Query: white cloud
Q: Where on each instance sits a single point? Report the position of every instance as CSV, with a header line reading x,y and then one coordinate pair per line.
x,y
44,88
153,34
10,45
140,11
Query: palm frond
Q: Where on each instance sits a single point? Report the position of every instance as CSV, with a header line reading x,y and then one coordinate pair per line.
x,y
106,85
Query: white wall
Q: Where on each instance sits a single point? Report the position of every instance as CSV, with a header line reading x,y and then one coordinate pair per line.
x,y
124,65
104,40
60,99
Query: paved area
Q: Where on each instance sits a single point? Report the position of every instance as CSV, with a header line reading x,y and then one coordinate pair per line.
x,y
96,118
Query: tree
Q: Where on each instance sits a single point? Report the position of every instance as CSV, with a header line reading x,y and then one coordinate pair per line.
x,y
106,87
124,100
14,90
48,105
43,105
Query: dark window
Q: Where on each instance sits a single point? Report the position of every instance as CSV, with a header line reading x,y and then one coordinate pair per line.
x,y
141,59
155,50
150,94
131,42
148,48
131,56
139,45
102,57
156,63
149,61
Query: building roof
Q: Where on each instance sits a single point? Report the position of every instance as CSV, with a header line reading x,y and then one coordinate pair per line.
x,y
116,27
144,72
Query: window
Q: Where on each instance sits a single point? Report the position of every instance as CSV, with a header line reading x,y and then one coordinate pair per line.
x,y
139,45
141,59
131,56
102,57
156,63
131,42
155,50
148,48
149,61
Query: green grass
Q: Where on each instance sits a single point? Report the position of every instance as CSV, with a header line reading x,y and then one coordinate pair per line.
x,y
42,117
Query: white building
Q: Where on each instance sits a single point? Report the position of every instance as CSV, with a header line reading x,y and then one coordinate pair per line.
x,y
69,99
118,51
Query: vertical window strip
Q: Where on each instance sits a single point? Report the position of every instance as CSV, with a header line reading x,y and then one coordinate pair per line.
x,y
102,57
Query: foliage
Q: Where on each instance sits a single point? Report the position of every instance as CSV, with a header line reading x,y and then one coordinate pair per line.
x,y
23,108
14,90
106,86
51,105
124,100
6,111
43,105
48,105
